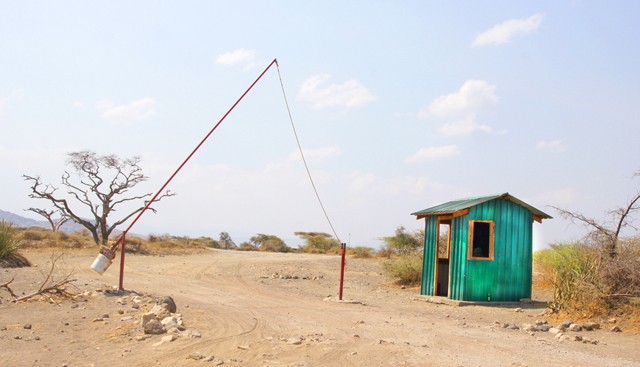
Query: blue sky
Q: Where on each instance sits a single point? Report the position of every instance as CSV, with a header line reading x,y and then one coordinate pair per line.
x,y
399,106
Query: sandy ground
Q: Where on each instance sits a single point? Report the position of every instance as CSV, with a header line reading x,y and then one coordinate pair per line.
x,y
249,314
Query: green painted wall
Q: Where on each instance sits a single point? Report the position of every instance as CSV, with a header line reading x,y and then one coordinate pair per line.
x,y
429,258
507,277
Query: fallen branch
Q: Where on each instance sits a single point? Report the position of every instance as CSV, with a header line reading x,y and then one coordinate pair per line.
x,y
6,286
49,285
55,288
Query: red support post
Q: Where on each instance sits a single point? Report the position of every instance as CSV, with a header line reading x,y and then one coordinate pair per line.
x,y
121,283
344,249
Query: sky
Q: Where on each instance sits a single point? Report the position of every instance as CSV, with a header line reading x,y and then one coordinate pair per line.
x,y
399,106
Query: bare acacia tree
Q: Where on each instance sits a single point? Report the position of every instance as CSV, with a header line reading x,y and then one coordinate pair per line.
x,y
99,184
608,233
55,223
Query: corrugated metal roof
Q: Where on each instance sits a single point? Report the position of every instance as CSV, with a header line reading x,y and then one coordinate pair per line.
x,y
461,204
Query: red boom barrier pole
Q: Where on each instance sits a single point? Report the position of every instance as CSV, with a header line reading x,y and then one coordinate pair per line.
x,y
344,248
122,238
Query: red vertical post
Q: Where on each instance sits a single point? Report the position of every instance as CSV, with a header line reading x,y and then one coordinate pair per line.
x,y
344,248
121,285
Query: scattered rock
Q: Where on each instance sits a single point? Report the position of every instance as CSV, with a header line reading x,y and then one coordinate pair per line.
x,y
575,327
616,329
554,330
27,326
173,322
529,327
196,356
518,310
168,338
545,327
154,327
567,323
294,341
192,334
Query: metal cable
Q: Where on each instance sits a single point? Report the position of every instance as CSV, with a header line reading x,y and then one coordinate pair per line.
x,y
304,160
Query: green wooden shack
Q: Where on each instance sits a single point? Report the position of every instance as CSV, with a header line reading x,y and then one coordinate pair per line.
x,y
479,249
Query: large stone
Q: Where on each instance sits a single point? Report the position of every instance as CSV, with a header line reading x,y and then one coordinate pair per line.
x,y
148,317
168,303
154,327
172,322
160,311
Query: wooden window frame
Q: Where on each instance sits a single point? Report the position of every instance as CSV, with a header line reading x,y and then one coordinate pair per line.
x,y
492,237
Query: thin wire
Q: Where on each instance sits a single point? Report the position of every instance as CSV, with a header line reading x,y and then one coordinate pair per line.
x,y
304,160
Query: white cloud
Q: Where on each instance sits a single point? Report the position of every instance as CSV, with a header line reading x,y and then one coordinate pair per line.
x,y
552,145
348,94
316,154
78,104
2,104
503,32
463,105
471,97
137,110
236,57
465,126
444,151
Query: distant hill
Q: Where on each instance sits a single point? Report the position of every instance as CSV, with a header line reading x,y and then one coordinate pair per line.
x,y
20,221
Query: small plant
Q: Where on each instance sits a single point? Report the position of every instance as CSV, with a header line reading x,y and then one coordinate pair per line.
x,y
9,243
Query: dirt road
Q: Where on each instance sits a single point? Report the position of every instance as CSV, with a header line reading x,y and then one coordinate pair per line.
x,y
265,309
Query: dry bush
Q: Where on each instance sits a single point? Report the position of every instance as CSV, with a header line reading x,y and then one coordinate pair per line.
x,y
168,245
405,269
135,245
587,280
361,252
34,234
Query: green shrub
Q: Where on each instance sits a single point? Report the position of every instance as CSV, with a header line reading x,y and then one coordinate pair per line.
x,y
319,243
406,269
9,243
246,246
